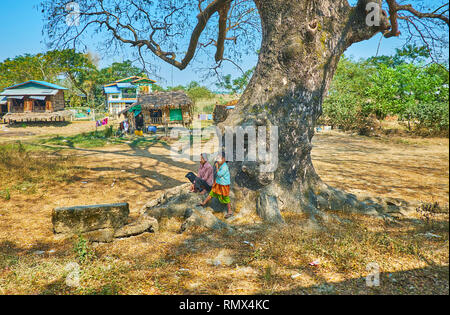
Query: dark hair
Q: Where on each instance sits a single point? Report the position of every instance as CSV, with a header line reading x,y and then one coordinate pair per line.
x,y
224,155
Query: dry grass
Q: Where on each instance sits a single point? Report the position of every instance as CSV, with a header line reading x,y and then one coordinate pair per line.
x,y
168,263
25,170
414,169
25,132
263,258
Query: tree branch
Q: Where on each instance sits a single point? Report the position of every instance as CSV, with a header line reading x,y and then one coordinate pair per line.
x,y
395,8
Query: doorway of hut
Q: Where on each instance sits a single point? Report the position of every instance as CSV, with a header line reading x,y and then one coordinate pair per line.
x,y
17,104
39,106
176,115
3,110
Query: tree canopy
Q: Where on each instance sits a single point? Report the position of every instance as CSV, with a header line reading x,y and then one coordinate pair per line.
x,y
171,28
77,71
403,85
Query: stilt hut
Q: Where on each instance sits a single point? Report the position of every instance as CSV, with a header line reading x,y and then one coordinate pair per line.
x,y
34,101
162,109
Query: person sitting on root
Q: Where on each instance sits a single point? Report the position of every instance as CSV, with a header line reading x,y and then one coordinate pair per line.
x,y
203,182
221,187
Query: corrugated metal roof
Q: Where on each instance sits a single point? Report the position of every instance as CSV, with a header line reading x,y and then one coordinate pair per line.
x,y
122,101
27,92
112,90
125,86
43,83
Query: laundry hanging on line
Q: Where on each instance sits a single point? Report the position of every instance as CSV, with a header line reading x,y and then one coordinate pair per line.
x,y
102,122
205,117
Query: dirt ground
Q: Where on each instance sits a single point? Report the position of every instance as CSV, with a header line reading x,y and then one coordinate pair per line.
x,y
413,169
42,130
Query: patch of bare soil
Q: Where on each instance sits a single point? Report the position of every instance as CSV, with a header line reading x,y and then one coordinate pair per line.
x,y
411,169
37,130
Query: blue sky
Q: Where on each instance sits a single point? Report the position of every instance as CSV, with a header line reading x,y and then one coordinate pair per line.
x,y
21,33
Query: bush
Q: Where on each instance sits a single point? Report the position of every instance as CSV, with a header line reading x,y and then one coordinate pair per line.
x,y
344,112
432,118
364,92
194,90
200,92
6,194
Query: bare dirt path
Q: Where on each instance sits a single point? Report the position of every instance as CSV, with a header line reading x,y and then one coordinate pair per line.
x,y
169,263
412,169
415,172
42,130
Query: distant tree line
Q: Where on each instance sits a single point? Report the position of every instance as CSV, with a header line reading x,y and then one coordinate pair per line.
x,y
405,86
193,89
80,73
226,84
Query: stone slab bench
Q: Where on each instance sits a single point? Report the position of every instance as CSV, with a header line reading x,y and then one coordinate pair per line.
x,y
100,223
81,219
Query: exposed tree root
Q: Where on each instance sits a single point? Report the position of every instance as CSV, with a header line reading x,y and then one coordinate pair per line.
x,y
178,202
269,206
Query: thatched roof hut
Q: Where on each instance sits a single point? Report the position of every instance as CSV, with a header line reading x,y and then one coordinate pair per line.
x,y
173,99
163,108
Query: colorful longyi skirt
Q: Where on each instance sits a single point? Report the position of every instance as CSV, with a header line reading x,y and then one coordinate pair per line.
x,y
221,192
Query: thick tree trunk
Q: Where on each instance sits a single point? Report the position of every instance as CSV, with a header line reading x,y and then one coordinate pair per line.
x,y
302,43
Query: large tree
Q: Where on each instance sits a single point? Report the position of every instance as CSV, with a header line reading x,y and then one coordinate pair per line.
x,y
302,42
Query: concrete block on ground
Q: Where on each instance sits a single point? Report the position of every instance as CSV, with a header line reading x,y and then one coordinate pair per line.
x,y
81,219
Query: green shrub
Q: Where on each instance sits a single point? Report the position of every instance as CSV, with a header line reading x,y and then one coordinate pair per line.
x,y
82,250
363,92
6,194
432,118
200,92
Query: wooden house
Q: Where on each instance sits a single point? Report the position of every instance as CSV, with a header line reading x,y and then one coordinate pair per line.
x,y
34,101
123,93
163,109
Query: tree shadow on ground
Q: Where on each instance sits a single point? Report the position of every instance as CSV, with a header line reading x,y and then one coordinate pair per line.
x,y
145,175
135,151
428,280
433,278
38,124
